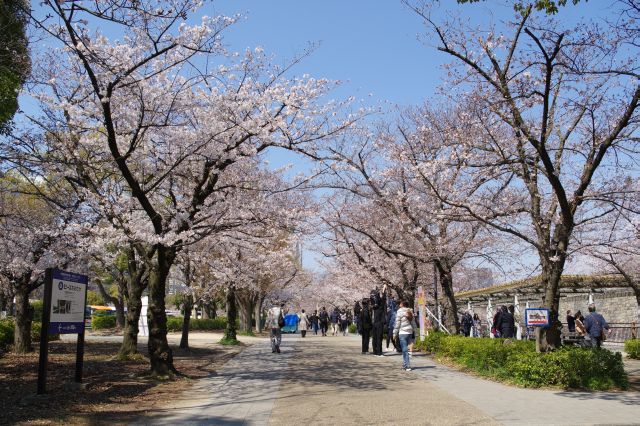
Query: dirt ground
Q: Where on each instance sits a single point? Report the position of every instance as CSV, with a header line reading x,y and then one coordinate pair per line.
x,y
114,392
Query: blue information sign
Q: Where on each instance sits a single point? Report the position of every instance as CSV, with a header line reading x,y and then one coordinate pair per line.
x,y
536,317
68,299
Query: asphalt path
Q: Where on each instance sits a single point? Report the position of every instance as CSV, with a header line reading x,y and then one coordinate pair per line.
x,y
326,380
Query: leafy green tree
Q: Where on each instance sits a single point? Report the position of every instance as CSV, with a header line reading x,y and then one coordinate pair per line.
x,y
549,6
94,298
14,57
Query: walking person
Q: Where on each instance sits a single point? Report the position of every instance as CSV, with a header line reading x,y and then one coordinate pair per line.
x,y
506,323
365,325
344,323
324,321
391,314
335,317
314,322
467,323
405,326
595,324
357,309
303,323
477,324
275,321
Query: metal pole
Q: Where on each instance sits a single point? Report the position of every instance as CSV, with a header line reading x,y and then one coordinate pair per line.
x,y
80,342
44,333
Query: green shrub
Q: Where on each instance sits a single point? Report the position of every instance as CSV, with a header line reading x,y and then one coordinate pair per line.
x,y
217,323
36,307
101,322
36,329
517,362
632,348
431,342
174,323
6,333
353,329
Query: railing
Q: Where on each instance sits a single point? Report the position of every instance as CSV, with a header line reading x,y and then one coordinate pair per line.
x,y
618,332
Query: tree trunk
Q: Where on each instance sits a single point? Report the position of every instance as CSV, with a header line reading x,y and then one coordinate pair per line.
x,y
257,314
188,307
129,346
160,353
232,313
209,309
450,307
118,302
548,339
22,336
246,300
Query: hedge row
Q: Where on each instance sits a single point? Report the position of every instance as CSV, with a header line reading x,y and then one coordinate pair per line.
x,y
517,362
100,322
7,329
632,348
217,323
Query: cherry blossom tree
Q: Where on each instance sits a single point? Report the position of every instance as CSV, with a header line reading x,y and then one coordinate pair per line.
x,y
555,109
392,182
165,116
39,230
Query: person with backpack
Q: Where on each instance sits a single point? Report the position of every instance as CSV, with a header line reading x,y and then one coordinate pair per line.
x,y
324,321
404,328
506,324
275,322
595,325
344,323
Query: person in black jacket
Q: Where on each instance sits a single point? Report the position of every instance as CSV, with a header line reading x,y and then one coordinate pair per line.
x,y
365,325
467,323
314,322
506,323
571,322
379,309
324,320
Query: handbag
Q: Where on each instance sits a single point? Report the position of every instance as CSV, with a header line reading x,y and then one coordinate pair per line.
x,y
280,320
603,333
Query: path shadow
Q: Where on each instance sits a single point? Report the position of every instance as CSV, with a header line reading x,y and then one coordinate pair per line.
x,y
194,419
627,398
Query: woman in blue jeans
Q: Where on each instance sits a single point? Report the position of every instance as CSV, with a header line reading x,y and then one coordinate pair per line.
x,y
403,330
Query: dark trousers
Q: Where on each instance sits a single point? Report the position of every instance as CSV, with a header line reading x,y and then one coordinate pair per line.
x,y
376,335
365,340
323,327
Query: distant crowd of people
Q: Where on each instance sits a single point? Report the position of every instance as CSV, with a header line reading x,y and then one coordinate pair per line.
x,y
380,315
591,329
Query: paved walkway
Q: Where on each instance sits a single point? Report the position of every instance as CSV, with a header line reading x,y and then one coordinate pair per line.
x,y
326,380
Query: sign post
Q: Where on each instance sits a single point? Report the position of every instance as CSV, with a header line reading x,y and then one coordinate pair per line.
x,y
422,301
65,298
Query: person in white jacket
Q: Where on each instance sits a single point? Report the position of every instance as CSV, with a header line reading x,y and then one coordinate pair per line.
x,y
303,323
403,329
275,317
